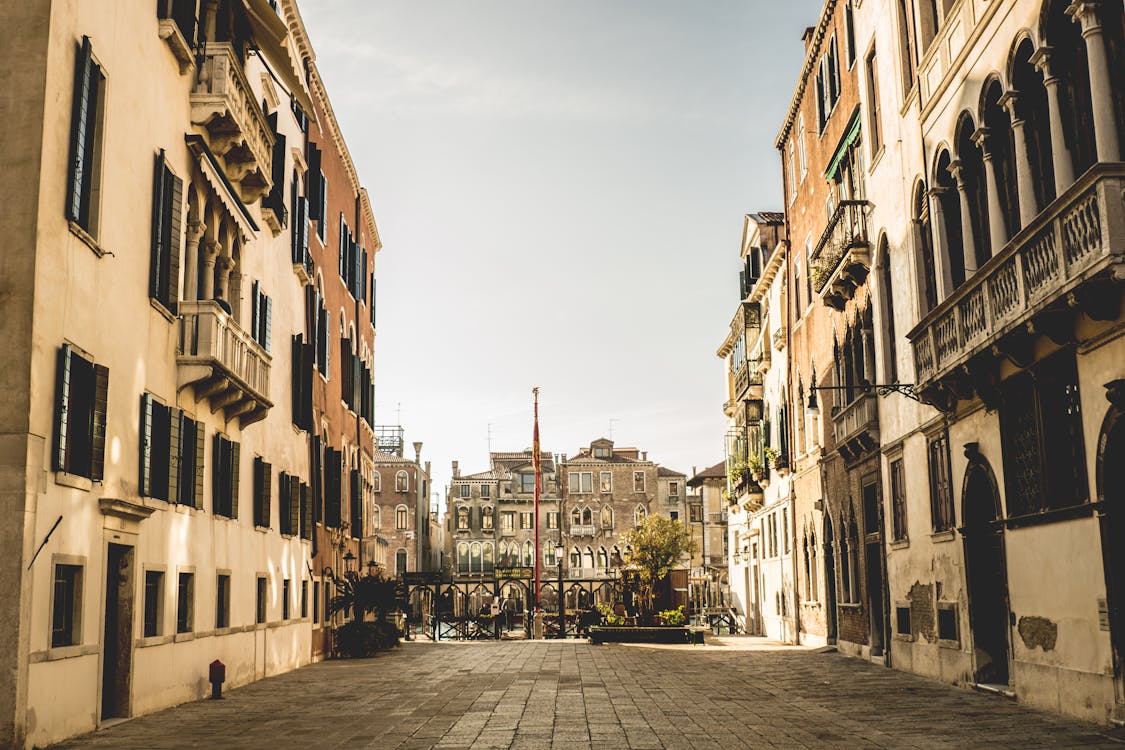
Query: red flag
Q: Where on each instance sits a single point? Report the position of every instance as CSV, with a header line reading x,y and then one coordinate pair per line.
x,y
536,463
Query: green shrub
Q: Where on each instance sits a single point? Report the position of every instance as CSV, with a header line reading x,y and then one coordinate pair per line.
x,y
674,617
357,639
609,617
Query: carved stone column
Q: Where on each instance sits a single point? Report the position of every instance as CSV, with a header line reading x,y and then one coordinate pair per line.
x,y
1060,154
943,273
968,241
225,266
1024,186
997,224
195,231
211,250
1101,85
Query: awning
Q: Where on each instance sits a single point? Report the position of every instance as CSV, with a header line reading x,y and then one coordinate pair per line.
x,y
850,136
270,32
220,185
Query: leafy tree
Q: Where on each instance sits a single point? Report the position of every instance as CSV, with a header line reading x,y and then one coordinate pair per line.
x,y
654,548
359,595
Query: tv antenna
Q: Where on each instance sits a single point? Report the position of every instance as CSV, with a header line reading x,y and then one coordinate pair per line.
x,y
611,421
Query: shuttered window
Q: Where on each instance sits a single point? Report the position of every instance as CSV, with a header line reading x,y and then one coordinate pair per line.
x,y
225,477
941,488
355,487
373,299
275,199
87,114
300,237
333,486
314,185
306,512
80,415
261,316
263,491
317,491
290,507
303,357
347,373
323,337
167,222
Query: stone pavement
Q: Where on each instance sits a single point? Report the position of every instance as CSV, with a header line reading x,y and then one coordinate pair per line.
x,y
735,693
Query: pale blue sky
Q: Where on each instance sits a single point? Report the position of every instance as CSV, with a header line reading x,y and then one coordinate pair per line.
x,y
559,187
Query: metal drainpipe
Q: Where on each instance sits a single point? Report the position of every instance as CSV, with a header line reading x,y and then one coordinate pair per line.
x,y
358,426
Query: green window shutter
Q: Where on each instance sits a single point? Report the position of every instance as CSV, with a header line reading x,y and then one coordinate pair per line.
x,y
158,251
284,507
306,512
218,464
101,403
62,408
255,310
257,482
235,455
267,327
175,191
293,490
145,480
81,111
175,434
200,436
267,494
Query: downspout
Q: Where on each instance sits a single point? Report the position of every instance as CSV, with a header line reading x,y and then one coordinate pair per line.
x,y
789,302
358,426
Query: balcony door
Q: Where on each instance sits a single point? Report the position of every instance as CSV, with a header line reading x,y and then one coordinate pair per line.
x,y
1111,491
986,574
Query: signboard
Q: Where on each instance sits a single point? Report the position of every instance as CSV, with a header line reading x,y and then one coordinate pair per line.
x,y
426,578
515,572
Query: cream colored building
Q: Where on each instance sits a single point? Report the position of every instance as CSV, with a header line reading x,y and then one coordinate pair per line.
x,y
156,479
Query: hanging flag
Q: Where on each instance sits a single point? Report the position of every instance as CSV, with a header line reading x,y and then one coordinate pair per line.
x,y
537,464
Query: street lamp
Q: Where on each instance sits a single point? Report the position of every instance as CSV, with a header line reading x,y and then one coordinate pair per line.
x,y
559,551
349,561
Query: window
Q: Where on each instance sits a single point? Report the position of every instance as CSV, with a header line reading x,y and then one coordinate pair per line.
x,y
638,481
602,451
874,115
262,480
674,515
261,315
791,170
695,513
400,562
802,160
316,602
286,595
507,520
528,553
80,414
902,621
639,515
376,519
552,519
527,520
941,490
463,557
185,603
580,481
86,124
466,491
304,599
673,489
1042,440
154,603
333,487
607,517
260,601
898,500
486,490
486,519
827,83
289,507
907,57
167,220
462,518
66,610
402,518
376,482
947,621
322,196
527,483
171,454
549,558
222,601
224,475
606,481
849,33
575,559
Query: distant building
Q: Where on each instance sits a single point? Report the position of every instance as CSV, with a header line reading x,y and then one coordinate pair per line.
x,y
399,511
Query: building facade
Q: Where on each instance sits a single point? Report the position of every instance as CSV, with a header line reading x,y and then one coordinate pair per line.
x,y
707,518
163,479
399,510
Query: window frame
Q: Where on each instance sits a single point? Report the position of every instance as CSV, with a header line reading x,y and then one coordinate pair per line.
x,y
66,623
185,601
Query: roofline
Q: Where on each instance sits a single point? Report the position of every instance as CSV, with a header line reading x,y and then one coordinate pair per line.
x,y
810,57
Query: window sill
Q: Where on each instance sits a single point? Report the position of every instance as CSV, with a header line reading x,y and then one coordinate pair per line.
x,y
878,157
899,544
87,239
943,536
74,481
57,653
904,637
189,510
261,529
855,606
154,502
153,640
953,645
160,308
184,637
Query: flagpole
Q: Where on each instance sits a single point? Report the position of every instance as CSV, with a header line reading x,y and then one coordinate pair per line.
x,y
537,464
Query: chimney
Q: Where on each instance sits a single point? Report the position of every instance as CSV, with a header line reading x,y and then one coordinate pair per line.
x,y
456,471
644,455
417,451
427,468
807,37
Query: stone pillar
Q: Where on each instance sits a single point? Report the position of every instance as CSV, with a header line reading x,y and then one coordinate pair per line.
x,y
867,336
225,265
1101,85
940,238
997,223
1020,159
968,242
211,250
195,231
1060,154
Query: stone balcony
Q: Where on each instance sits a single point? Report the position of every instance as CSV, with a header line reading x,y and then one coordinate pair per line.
x,y
1069,261
223,103
222,362
855,428
583,530
747,377
841,259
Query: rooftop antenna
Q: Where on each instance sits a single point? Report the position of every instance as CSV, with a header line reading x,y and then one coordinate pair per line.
x,y
398,413
490,439
611,421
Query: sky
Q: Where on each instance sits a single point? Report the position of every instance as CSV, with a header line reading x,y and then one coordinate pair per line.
x,y
559,189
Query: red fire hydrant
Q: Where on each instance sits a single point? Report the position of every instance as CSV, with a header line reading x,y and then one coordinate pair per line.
x,y
217,674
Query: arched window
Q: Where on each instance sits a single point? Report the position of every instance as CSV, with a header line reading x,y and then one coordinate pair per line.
x,y
971,182
1069,63
402,482
503,557
853,553
1000,148
844,593
949,228
488,559
607,517
402,517
924,252
575,558
603,558
588,559
400,561
463,557
886,312
587,517
462,517
376,519
639,515
528,553
549,558
813,570
1032,110
376,482
576,516
474,558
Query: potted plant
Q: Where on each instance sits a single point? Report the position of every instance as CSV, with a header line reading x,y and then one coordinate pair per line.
x,y
778,460
756,467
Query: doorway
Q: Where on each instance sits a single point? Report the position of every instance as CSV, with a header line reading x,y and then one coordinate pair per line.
x,y
1111,491
986,573
117,641
829,581
874,559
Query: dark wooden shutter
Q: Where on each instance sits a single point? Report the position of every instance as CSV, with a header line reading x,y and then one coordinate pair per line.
x,y
175,436
255,311
256,491
62,408
145,479
293,491
101,402
356,494
158,251
345,371
306,512
267,494
313,184
80,113
218,473
373,281
283,510
363,275
317,479
267,325
200,437
297,377
174,189
276,198
235,454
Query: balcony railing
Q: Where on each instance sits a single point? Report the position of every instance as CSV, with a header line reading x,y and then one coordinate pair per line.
x,y
1074,243
224,104
855,428
583,529
222,362
747,375
842,257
